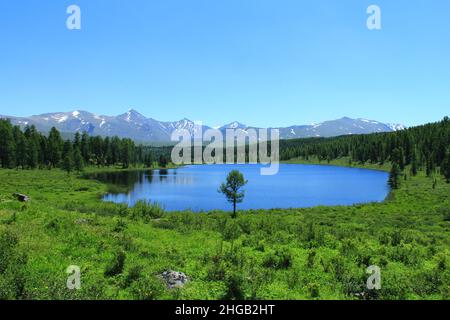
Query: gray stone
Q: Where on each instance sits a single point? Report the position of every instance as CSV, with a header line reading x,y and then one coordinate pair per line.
x,y
174,279
21,197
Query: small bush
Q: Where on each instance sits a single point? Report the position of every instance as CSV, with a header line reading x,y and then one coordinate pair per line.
x,y
147,210
313,289
148,288
278,260
120,226
134,274
116,265
234,287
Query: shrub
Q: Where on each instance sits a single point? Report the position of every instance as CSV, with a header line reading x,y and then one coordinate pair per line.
x,y
313,289
232,231
120,226
147,210
234,286
278,260
116,265
134,274
147,288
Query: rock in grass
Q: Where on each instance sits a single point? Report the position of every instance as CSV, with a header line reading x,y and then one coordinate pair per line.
x,y
21,197
174,279
82,221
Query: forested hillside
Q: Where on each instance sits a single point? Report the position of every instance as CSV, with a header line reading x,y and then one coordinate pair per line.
x,y
30,149
423,147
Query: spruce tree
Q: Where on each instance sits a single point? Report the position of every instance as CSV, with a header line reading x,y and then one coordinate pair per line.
x,y
54,147
7,145
414,162
429,166
394,181
32,147
85,147
32,153
78,160
446,167
21,147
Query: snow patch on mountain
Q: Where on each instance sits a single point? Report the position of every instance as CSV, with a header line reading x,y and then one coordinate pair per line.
x,y
396,126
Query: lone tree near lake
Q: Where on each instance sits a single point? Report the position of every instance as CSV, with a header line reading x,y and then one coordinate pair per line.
x,y
232,188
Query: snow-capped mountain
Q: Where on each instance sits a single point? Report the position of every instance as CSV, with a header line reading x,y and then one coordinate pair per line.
x,y
233,125
134,125
396,126
339,127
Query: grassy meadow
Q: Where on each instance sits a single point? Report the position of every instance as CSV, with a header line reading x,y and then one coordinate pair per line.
x,y
314,253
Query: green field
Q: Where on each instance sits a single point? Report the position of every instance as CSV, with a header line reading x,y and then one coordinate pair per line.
x,y
316,253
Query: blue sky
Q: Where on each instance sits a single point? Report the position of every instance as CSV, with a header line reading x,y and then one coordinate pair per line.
x,y
261,62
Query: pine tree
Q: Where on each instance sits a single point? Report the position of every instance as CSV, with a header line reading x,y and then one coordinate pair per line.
x,y
85,147
398,157
429,166
446,167
68,157
67,163
78,160
32,153
7,145
162,161
21,147
232,188
414,162
32,147
77,141
54,147
127,149
394,181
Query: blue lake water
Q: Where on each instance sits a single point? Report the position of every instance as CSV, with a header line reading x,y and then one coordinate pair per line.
x,y
295,186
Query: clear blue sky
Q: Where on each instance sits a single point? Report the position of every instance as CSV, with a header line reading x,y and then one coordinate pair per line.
x,y
262,62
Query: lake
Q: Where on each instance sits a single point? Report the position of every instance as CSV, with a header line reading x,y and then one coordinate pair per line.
x,y
295,186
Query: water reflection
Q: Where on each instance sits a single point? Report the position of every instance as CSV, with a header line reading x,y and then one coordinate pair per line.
x,y
195,187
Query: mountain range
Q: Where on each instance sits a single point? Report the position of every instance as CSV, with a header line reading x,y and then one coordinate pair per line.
x,y
134,125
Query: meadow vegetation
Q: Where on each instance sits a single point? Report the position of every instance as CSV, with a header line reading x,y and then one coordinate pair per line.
x,y
314,253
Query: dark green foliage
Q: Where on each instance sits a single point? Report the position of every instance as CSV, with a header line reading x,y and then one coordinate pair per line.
x,y
163,162
445,168
394,181
280,259
30,149
68,162
232,188
55,144
234,286
116,265
78,161
421,147
414,162
7,145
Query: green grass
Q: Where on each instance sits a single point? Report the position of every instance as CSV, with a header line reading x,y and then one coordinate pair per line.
x,y
314,253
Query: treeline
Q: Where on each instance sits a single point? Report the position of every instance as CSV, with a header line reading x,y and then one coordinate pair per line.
x,y
425,147
29,149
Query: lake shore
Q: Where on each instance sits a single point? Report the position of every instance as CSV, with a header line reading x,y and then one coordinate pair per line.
x,y
312,253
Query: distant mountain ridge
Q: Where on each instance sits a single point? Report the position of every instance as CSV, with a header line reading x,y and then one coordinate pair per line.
x,y
134,125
